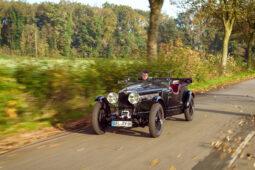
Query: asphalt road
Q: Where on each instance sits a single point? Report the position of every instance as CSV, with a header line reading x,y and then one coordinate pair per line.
x,y
183,145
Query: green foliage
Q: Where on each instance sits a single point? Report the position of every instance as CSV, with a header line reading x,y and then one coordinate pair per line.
x,y
72,30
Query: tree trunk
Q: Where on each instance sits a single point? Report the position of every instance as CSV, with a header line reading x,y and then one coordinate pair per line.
x,y
155,6
228,25
36,49
250,44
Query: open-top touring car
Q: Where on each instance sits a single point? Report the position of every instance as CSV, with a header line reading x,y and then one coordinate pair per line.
x,y
144,102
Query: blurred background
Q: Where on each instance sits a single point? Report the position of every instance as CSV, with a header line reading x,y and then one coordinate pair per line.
x,y
55,58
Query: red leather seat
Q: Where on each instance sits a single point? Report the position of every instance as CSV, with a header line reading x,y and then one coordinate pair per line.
x,y
175,88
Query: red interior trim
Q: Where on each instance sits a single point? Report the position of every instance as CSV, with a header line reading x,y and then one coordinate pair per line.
x,y
175,88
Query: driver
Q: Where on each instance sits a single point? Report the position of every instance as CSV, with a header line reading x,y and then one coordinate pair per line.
x,y
144,74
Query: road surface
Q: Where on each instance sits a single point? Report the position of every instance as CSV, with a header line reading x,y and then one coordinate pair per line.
x,y
183,145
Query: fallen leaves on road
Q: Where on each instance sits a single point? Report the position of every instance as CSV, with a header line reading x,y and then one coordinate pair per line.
x,y
12,155
228,138
223,156
249,156
179,155
119,148
254,165
241,123
101,147
201,160
85,168
40,147
172,167
230,150
230,131
54,145
154,163
170,133
79,150
224,147
195,157
217,144
242,155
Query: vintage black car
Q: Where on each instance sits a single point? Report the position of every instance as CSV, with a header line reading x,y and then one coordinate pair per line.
x,y
144,102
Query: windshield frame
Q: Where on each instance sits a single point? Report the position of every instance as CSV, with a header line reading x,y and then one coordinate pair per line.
x,y
136,79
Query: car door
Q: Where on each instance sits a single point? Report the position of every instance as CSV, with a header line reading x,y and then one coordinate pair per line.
x,y
173,99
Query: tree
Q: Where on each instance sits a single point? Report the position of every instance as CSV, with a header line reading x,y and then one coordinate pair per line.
x,y
246,22
167,29
155,6
108,29
224,10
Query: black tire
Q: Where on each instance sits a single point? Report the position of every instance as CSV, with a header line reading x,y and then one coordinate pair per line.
x,y
99,122
156,120
189,112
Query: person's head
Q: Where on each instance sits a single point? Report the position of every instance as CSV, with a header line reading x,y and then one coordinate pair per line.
x,y
144,74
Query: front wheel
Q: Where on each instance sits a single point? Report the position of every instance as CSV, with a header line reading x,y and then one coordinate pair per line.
x,y
189,112
156,120
99,122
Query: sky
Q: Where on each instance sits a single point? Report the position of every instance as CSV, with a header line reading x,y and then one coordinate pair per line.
x,y
135,4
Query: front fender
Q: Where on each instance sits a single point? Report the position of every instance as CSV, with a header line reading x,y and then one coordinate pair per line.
x,y
188,98
100,99
105,103
158,99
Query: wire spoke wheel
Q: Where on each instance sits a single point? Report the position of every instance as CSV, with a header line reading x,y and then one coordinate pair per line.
x,y
189,112
99,122
102,118
156,120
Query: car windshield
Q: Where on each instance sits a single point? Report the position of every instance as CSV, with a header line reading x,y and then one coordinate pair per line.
x,y
134,78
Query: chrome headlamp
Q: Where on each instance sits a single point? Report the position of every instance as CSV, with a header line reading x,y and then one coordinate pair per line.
x,y
133,98
113,97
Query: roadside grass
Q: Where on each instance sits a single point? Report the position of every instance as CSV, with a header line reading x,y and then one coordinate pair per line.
x,y
7,129
202,87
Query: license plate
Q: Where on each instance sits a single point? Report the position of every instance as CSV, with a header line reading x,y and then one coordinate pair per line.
x,y
121,123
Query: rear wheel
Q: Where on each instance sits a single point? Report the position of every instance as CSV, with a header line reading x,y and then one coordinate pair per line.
x,y
156,120
99,122
189,112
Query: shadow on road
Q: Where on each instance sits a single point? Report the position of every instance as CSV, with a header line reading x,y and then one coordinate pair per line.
x,y
176,119
120,131
223,112
213,161
134,131
226,95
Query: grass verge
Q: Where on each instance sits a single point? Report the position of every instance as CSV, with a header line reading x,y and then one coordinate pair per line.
x,y
221,82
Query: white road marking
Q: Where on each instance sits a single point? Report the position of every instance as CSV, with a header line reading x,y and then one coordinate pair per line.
x,y
240,148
